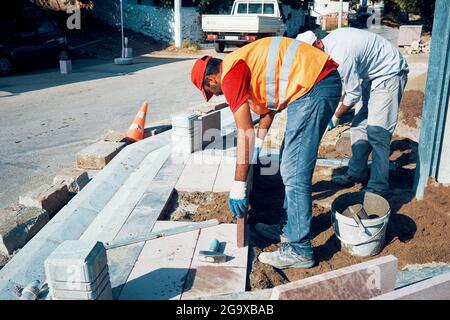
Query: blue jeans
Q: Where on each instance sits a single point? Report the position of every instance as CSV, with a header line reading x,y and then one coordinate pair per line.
x,y
307,120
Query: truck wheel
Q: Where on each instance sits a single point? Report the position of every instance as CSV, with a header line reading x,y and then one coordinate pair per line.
x,y
219,46
6,66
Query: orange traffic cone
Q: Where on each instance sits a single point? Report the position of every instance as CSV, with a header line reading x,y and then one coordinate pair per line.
x,y
136,130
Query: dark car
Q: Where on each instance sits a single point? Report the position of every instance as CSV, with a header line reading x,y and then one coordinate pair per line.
x,y
30,43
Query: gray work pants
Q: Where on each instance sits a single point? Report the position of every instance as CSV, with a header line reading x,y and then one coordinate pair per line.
x,y
372,129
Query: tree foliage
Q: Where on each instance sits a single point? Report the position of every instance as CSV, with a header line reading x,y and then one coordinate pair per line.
x,y
423,7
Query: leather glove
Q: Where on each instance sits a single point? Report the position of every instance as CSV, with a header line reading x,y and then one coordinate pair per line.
x,y
237,199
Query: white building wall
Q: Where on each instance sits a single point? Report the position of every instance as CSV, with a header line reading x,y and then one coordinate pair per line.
x,y
324,7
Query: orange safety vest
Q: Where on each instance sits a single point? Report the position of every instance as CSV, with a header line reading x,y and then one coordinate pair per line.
x,y
282,70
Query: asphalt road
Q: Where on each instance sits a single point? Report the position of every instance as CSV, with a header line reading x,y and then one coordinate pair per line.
x,y
47,117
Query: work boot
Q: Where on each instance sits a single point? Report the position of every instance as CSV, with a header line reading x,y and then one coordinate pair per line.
x,y
285,257
346,179
271,231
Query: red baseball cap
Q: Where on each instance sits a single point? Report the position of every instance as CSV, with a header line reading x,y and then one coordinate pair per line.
x,y
198,75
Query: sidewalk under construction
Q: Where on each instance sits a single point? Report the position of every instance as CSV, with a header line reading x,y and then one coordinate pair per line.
x,y
149,186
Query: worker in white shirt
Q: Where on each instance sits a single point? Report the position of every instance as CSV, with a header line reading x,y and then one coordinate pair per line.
x,y
374,72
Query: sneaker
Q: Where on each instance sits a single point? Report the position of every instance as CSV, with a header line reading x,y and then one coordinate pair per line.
x,y
346,179
271,231
285,257
383,193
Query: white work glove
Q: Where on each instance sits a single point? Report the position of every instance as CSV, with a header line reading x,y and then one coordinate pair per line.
x,y
237,199
333,122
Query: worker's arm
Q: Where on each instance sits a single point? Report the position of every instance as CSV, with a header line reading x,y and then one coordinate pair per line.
x,y
342,109
245,141
265,121
351,81
237,199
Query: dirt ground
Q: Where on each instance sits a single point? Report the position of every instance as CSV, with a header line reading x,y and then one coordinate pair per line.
x,y
417,231
411,107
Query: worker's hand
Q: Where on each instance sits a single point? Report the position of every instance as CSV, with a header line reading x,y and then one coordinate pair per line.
x,y
257,150
237,200
333,122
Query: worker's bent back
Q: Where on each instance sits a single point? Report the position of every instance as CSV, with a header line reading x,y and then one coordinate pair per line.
x,y
282,70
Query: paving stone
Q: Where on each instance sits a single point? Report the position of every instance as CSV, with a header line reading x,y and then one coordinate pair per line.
x,y
98,155
226,235
206,107
208,157
186,143
76,260
155,130
74,179
247,295
184,120
141,221
415,273
82,295
436,288
242,234
209,280
115,136
80,286
4,258
161,269
107,293
121,261
225,178
184,132
50,198
114,214
211,126
18,224
357,282
197,177
74,218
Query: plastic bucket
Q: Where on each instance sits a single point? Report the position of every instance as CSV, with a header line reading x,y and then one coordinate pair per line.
x,y
365,237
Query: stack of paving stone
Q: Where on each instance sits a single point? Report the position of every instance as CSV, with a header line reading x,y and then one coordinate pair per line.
x,y
186,133
78,270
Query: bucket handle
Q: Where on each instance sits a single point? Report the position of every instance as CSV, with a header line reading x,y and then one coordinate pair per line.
x,y
356,243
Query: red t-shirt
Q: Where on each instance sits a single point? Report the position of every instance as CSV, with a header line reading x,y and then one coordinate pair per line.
x,y
236,83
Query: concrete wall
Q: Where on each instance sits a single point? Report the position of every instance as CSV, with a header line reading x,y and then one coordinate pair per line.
x,y
157,22
152,21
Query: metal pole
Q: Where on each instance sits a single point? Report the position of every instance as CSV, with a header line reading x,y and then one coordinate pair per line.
x,y
177,18
341,8
431,159
121,27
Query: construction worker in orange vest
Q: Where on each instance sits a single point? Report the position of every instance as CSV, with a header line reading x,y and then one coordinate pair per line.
x,y
266,76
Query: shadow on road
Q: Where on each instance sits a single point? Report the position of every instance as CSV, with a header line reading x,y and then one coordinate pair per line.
x,y
83,70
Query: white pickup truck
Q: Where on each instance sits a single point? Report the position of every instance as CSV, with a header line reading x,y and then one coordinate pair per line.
x,y
249,20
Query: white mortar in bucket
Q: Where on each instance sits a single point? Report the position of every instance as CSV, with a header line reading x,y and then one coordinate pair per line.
x,y
367,238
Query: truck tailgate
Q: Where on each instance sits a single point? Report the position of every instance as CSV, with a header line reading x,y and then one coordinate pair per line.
x,y
240,24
